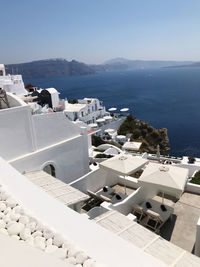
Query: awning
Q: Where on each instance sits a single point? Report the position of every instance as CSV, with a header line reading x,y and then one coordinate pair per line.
x,y
123,164
166,178
132,145
100,120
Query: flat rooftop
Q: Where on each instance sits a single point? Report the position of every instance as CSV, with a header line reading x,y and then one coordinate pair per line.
x,y
146,240
56,188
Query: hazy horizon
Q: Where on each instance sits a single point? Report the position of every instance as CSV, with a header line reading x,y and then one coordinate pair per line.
x,y
136,59
93,31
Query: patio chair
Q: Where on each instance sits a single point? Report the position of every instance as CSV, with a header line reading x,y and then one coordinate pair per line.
x,y
154,220
138,212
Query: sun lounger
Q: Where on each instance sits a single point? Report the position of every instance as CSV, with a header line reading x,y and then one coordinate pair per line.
x,y
138,211
154,220
156,216
101,198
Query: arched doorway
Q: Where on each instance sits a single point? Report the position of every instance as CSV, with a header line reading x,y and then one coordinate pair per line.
x,y
50,169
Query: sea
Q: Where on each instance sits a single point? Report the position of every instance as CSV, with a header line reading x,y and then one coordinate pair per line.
x,y
165,98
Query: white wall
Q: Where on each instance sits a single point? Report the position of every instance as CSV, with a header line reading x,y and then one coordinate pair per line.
x,y
191,167
16,132
95,180
52,128
140,195
99,243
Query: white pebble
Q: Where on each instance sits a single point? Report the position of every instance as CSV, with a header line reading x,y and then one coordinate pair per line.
x,y
78,265
1,214
7,219
19,210
2,206
60,253
24,219
7,210
4,195
11,202
37,233
48,234
71,260
58,240
14,216
4,231
49,241
2,224
39,239
15,228
31,226
51,249
73,252
25,234
81,257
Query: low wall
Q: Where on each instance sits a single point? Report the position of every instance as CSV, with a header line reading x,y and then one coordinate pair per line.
x,y
140,195
95,180
192,188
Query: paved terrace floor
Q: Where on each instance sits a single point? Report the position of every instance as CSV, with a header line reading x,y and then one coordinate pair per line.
x,y
146,240
181,231
56,188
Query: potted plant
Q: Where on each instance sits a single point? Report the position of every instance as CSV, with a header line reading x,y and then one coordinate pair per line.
x,y
191,160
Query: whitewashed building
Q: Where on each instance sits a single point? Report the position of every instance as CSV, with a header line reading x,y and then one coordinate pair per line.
x,y
87,110
11,83
42,141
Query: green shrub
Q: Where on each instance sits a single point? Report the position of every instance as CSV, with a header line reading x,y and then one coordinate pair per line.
x,y
191,159
196,178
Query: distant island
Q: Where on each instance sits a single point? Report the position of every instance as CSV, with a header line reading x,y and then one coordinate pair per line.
x,y
193,65
49,68
62,67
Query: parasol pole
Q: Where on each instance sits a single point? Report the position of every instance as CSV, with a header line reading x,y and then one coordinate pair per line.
x,y
163,195
125,184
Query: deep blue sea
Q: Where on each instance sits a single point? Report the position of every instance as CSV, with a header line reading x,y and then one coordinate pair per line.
x,y
167,98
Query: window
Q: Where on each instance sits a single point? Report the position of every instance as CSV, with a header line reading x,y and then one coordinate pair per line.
x,y
50,169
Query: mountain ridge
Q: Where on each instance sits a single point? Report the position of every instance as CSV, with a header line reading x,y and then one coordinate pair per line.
x,y
61,67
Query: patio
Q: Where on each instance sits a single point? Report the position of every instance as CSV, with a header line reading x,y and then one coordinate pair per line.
x,y
181,230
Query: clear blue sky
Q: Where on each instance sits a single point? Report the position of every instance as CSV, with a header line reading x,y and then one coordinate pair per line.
x,y
93,31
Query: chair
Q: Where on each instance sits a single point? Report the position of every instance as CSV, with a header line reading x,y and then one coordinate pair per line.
x,y
138,211
154,220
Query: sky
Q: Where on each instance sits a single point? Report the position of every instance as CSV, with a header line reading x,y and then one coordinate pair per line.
x,y
93,31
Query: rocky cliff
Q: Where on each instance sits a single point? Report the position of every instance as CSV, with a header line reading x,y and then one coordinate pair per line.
x,y
142,132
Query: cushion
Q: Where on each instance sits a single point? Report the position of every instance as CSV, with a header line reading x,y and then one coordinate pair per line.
x,y
153,214
163,208
148,205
